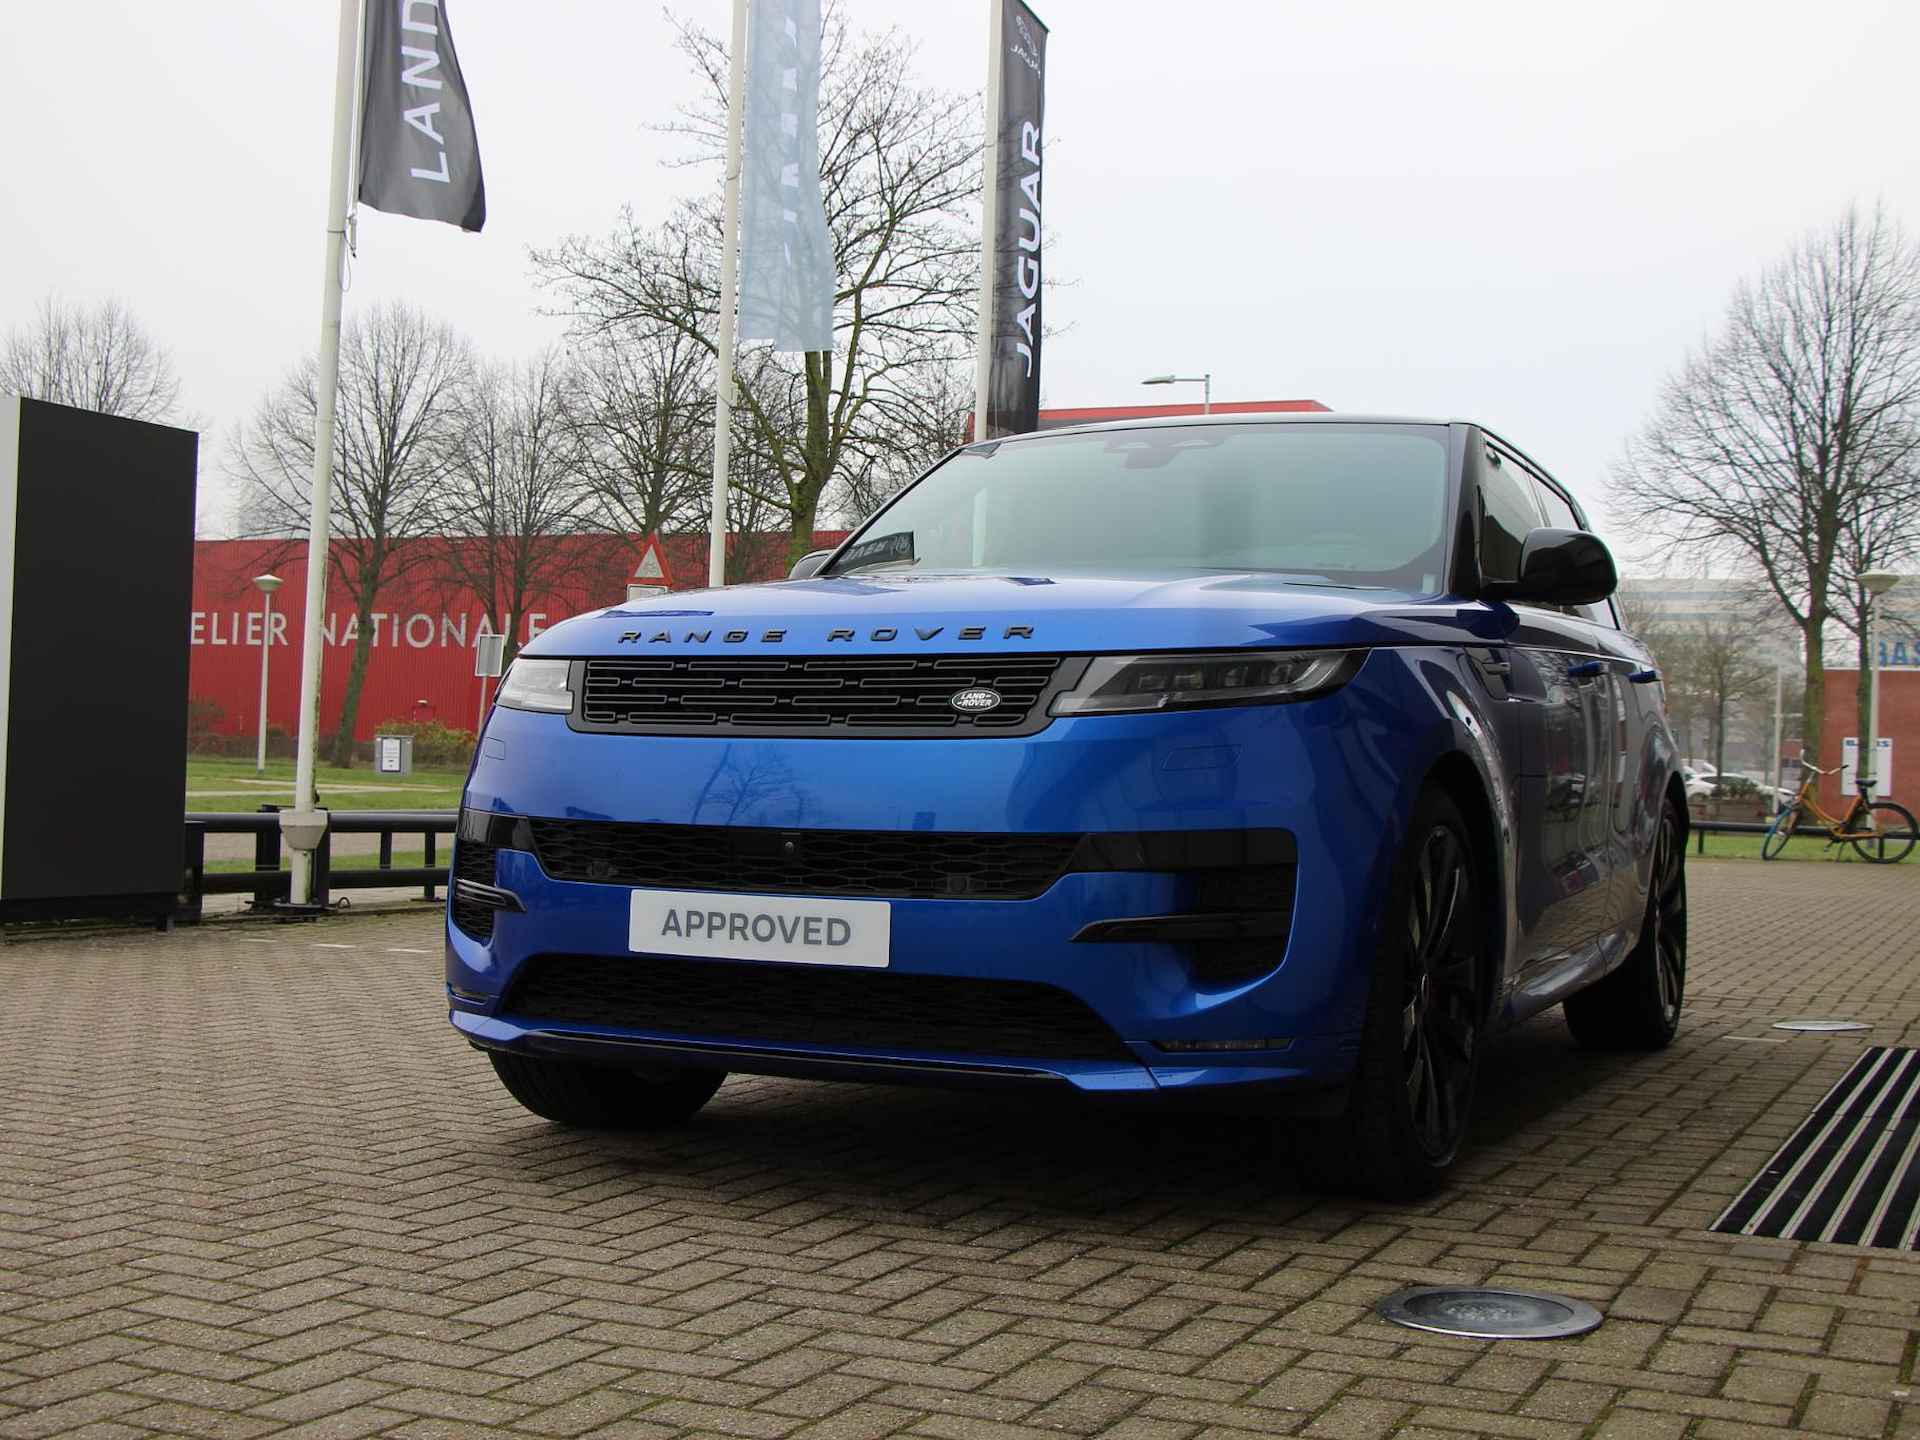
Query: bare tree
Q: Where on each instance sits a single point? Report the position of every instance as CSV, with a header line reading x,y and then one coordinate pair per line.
x,y
1773,435
514,497
643,415
96,359
900,174
402,381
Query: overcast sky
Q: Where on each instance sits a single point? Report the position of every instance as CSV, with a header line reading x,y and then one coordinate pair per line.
x,y
1518,213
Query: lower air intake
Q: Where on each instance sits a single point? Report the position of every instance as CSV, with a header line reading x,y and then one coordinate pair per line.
x,y
863,1010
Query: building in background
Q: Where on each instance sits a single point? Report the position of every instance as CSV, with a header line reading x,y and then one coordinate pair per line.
x,y
422,629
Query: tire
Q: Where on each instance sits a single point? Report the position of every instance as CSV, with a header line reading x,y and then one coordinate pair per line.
x,y
1898,833
1779,832
1412,1093
599,1097
1637,1007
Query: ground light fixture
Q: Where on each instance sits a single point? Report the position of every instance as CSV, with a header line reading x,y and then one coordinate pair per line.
x,y
1481,1314
1821,1027
1204,381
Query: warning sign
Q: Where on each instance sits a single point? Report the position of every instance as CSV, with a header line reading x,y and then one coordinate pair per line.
x,y
653,563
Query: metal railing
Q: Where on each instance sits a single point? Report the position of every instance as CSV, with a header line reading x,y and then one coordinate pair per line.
x,y
268,884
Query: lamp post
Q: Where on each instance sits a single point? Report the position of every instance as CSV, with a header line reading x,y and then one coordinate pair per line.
x,y
1205,381
1877,583
268,584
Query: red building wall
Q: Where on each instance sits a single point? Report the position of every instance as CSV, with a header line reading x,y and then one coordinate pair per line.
x,y
421,663
1899,721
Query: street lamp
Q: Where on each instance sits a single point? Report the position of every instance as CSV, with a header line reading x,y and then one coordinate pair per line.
x,y
1877,583
1206,381
268,584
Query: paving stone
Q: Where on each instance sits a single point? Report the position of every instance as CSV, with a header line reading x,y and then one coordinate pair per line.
x,y
245,1194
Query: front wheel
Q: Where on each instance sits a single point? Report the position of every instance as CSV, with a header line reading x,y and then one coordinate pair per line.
x,y
1779,832
1894,833
599,1097
1420,1044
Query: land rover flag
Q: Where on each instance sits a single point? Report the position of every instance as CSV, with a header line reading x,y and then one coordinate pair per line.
x,y
1013,383
787,279
418,152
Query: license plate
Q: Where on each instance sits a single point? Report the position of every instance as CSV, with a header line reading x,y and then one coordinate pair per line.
x,y
761,927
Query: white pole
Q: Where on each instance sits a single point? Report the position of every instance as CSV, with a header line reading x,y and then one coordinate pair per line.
x,y
989,221
345,57
729,282
1206,393
1779,702
266,643
1864,774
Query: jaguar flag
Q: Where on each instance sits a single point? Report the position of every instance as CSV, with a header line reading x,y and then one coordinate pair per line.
x,y
787,278
1011,349
418,152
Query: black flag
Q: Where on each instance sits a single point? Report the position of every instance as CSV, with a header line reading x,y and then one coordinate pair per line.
x,y
418,153
1013,383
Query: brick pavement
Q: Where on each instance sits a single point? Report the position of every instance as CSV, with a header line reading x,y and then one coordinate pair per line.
x,y
251,1185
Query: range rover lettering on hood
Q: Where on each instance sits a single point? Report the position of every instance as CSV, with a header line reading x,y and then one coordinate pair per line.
x,y
880,634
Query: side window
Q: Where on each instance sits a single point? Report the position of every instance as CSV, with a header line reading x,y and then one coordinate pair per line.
x,y
1507,513
1560,515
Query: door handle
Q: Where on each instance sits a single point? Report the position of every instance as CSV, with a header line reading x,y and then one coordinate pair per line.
x,y
1586,669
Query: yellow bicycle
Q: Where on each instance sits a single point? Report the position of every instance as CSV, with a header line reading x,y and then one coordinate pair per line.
x,y
1881,831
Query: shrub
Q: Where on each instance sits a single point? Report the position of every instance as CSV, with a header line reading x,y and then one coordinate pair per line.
x,y
1734,787
434,745
204,715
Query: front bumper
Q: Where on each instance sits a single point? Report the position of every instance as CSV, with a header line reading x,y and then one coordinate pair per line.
x,y
1337,773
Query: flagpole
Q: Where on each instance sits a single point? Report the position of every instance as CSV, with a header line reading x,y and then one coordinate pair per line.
x,y
729,283
306,824
989,219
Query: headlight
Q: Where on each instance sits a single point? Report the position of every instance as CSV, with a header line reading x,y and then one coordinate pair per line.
x,y
1123,684
536,685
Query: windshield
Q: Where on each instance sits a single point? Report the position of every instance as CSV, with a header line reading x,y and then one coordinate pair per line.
x,y
1318,504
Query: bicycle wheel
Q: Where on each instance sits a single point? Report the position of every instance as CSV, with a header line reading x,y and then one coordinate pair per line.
x,y
1895,833
1777,833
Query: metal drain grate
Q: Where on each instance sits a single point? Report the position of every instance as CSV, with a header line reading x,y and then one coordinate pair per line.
x,y
1851,1173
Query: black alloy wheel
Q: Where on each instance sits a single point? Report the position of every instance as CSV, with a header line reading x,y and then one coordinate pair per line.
x,y
1637,1006
1439,1025
1411,1099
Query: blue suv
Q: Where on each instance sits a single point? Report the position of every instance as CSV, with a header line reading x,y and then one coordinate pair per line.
x,y
1263,762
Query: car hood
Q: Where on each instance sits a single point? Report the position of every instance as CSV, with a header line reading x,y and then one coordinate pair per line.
x,y
1052,614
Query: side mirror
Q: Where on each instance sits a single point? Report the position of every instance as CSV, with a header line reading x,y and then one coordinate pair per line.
x,y
1560,567
808,565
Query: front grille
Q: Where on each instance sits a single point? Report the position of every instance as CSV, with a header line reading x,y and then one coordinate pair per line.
x,y
730,1001
472,860
895,864
876,695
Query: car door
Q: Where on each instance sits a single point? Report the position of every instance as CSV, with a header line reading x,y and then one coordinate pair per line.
x,y
1561,901
1630,724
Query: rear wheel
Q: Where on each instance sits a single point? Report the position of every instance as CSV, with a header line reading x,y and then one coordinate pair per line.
x,y
1779,832
1894,833
1420,1047
1637,1007
599,1097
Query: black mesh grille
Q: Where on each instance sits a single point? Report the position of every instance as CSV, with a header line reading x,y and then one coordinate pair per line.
x,y
472,861
815,694
897,864
864,1010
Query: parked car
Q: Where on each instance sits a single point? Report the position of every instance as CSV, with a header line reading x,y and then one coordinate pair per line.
x,y
1270,763
1699,780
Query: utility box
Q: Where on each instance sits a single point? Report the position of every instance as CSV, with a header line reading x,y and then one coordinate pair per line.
x,y
96,595
393,754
